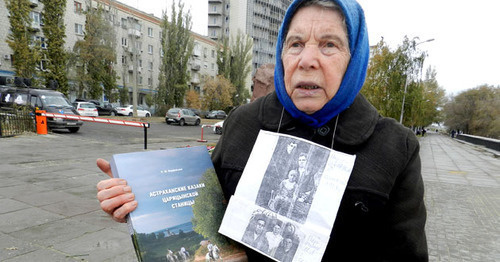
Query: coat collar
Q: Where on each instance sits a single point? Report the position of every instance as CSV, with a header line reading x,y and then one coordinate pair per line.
x,y
355,125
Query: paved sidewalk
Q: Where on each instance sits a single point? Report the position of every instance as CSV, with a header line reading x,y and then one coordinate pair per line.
x,y
49,212
463,200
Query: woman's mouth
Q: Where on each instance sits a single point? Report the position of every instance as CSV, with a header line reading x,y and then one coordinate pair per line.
x,y
308,87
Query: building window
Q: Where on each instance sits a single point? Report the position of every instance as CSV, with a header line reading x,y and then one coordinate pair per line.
x,y
150,32
36,18
78,29
150,81
159,35
150,66
150,49
124,23
139,80
213,53
214,21
78,7
213,67
124,41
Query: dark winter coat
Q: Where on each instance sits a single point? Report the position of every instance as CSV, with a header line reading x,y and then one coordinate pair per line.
x,y
382,213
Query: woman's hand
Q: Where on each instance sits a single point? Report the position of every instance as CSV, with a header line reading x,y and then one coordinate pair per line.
x,y
114,194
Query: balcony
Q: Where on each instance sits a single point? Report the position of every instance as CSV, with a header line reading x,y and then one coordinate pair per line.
x,y
130,68
33,3
195,67
134,32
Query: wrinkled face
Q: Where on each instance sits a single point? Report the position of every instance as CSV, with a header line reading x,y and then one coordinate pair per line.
x,y
315,57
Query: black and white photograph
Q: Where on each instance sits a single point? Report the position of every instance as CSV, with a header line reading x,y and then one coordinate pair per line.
x,y
291,178
272,236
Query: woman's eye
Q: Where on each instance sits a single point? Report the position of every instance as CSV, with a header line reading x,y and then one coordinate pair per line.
x,y
330,44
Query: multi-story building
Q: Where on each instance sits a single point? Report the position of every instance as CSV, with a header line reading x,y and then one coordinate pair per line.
x,y
138,45
259,19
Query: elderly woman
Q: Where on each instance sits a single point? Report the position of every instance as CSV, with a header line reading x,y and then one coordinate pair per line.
x,y
322,57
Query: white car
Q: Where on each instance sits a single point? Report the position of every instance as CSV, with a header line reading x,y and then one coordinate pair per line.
x,y
129,111
86,108
218,127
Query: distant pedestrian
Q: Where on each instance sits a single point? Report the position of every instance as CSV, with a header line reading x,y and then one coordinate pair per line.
x,y
453,132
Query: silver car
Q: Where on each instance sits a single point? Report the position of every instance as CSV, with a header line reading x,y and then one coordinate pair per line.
x,y
182,116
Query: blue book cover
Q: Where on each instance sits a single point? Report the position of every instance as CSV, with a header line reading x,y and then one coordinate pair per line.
x,y
180,205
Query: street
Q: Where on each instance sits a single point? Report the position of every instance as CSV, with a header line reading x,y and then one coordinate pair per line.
x,y
49,210
159,132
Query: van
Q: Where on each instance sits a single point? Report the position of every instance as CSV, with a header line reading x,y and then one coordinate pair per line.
x,y
43,99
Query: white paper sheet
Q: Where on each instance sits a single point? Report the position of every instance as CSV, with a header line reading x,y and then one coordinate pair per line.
x,y
287,199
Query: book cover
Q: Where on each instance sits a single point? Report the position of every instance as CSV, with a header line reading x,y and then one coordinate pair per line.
x,y
180,205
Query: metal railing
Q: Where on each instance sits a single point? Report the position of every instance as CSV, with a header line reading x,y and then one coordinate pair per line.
x,y
16,122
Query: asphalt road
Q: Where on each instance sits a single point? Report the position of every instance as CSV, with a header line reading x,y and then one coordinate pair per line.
x,y
159,132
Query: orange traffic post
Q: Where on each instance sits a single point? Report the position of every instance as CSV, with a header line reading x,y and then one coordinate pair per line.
x,y
41,122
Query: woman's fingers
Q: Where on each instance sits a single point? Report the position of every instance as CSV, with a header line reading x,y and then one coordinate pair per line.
x,y
104,166
120,213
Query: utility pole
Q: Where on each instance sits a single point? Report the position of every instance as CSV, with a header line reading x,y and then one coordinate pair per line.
x,y
406,83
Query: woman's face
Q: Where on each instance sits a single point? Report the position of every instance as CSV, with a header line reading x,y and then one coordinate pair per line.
x,y
315,57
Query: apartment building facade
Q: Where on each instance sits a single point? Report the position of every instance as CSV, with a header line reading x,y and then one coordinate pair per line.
x,y
138,45
259,19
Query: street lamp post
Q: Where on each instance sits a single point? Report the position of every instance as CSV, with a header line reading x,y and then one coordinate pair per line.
x,y
406,84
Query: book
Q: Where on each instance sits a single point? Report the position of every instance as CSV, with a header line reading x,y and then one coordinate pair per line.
x,y
180,205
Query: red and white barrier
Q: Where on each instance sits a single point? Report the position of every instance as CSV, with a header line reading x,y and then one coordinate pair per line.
x,y
201,139
98,120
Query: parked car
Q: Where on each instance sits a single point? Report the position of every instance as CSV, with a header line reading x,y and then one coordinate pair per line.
x,y
86,108
216,114
199,112
218,127
129,111
44,99
181,116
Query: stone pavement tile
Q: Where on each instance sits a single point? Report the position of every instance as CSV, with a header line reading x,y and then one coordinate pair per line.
x,y
98,246
25,218
55,232
8,182
462,222
22,189
42,198
99,218
9,205
73,206
87,191
43,255
12,247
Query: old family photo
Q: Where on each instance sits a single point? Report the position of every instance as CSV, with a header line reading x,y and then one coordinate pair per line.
x,y
288,188
292,177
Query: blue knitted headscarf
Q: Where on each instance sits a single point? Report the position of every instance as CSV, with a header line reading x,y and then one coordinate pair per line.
x,y
354,76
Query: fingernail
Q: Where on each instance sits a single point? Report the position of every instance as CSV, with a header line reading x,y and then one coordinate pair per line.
x,y
127,189
130,196
134,203
122,182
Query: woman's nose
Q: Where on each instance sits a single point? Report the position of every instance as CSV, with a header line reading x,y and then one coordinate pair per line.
x,y
309,57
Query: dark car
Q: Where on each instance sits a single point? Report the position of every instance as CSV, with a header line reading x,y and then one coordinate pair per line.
x,y
216,114
44,99
104,109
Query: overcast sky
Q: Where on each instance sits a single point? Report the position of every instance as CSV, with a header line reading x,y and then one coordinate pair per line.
x,y
466,49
